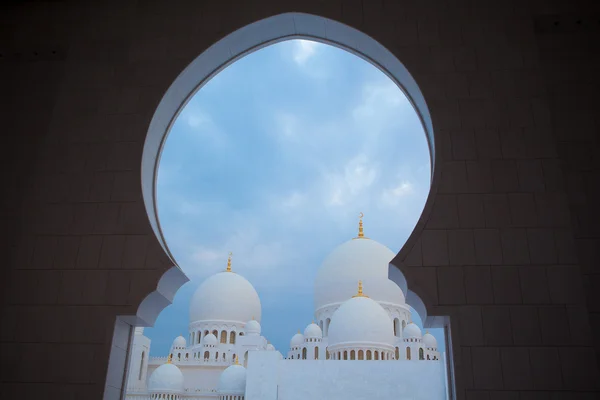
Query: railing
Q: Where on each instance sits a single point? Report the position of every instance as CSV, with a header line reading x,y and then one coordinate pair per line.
x,y
188,394
190,361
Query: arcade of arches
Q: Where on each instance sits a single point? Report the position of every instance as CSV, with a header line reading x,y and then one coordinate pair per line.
x,y
507,246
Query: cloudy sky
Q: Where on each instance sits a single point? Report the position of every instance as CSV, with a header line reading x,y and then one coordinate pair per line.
x,y
273,159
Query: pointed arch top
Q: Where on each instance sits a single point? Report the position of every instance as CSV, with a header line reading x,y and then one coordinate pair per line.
x,y
246,40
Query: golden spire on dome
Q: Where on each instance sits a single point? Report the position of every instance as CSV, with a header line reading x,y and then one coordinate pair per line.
x,y
229,262
237,360
360,291
298,330
361,233
169,358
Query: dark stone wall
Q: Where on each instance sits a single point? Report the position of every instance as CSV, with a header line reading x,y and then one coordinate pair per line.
x,y
509,249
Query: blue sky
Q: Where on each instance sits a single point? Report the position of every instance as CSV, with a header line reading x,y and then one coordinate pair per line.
x,y
273,159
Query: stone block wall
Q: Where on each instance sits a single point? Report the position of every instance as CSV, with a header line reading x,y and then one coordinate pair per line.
x,y
509,248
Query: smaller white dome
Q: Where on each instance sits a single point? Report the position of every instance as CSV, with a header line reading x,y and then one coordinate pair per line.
x,y
270,347
297,340
412,331
252,328
313,331
360,321
179,343
166,379
429,340
210,340
233,380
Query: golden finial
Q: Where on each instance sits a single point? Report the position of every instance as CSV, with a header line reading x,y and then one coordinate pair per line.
x,y
229,262
298,330
360,291
361,233
237,361
169,358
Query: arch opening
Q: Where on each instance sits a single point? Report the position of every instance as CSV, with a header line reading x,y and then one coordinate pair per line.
x,y
407,84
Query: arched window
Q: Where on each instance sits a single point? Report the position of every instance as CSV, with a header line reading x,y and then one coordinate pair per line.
x,y
179,356
428,356
216,333
223,356
403,325
187,355
345,354
205,332
198,336
327,322
376,353
217,355
142,365
327,356
292,357
396,327
304,353
223,336
352,355
232,337
408,353
421,354
317,353
206,355
361,355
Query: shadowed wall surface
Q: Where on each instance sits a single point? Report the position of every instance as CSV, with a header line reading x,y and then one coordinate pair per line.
x,y
509,248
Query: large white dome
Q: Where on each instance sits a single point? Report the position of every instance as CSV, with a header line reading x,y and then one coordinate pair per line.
x,y
382,290
225,296
233,380
361,321
166,379
357,259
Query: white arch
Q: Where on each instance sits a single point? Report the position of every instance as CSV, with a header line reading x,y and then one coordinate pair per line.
x,y
226,51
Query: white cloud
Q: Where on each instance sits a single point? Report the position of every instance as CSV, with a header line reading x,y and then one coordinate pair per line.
x,y
359,174
200,125
304,50
392,196
206,256
293,201
286,125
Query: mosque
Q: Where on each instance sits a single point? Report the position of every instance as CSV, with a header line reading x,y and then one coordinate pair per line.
x,y
360,315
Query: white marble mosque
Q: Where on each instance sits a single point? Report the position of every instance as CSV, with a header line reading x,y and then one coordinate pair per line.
x,y
361,345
